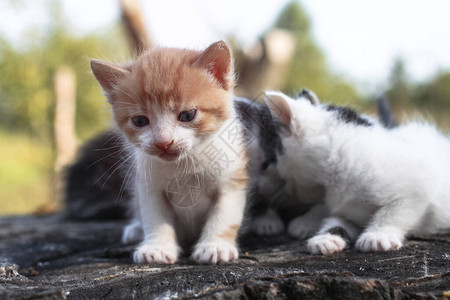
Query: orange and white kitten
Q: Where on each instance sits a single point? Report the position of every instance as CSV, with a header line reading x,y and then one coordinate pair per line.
x,y
175,109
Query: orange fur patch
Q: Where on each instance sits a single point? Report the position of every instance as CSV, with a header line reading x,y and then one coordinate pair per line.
x,y
164,80
231,233
240,178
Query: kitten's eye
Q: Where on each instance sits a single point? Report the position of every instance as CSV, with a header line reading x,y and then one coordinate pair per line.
x,y
140,121
187,116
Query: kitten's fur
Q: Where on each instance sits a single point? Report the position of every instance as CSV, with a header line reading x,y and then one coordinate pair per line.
x,y
272,205
388,182
150,98
269,206
97,182
384,111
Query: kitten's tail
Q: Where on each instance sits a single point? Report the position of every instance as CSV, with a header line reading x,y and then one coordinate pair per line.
x,y
385,113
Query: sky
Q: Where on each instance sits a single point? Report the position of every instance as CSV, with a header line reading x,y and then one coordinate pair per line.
x,y
361,39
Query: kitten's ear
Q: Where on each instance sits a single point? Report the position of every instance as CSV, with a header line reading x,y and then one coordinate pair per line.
x,y
108,74
310,96
280,107
218,61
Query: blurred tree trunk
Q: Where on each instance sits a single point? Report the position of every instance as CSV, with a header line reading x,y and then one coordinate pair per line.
x,y
134,24
64,125
264,65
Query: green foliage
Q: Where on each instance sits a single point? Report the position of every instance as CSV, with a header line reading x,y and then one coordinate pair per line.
x,y
27,77
295,19
309,68
400,90
25,173
435,93
27,98
27,104
430,99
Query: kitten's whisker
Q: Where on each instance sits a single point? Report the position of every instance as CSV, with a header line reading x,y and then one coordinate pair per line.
x,y
131,108
117,137
119,162
196,174
123,102
126,93
145,162
199,160
121,148
146,158
118,152
108,148
125,182
117,168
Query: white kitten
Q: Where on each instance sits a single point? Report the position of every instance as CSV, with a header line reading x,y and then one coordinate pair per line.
x,y
389,182
268,201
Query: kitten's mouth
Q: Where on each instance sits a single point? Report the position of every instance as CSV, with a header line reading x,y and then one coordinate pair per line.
x,y
169,156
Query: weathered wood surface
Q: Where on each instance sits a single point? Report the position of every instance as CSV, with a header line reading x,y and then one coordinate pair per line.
x,y
51,258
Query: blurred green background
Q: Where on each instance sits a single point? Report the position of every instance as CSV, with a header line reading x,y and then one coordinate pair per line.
x,y
27,98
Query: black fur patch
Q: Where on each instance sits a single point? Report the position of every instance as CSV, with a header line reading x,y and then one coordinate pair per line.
x,y
268,132
339,231
267,163
385,114
93,191
306,94
348,115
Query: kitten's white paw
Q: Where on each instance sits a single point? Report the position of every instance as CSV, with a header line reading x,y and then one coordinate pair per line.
x,y
267,225
379,241
302,228
132,233
148,253
212,253
326,244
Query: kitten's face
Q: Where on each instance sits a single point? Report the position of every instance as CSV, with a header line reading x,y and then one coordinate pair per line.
x,y
170,100
287,112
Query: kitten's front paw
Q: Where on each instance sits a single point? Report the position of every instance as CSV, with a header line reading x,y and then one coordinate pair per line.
x,y
302,228
379,241
148,253
212,253
132,233
267,225
326,244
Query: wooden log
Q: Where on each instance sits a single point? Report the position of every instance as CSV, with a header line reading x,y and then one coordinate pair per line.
x,y
53,258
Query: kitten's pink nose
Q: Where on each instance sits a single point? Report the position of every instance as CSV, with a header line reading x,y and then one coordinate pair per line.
x,y
163,145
